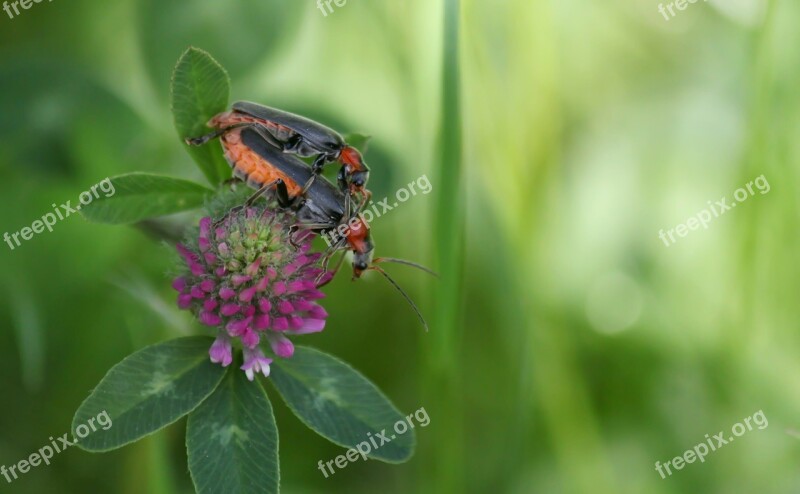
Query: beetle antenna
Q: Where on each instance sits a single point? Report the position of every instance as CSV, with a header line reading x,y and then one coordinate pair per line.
x,y
403,293
407,263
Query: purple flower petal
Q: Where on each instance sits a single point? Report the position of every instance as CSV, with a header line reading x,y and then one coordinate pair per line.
x,y
247,294
311,326
230,309
210,319
250,338
186,253
291,269
262,284
204,244
261,322
285,307
303,305
252,269
301,286
281,345
314,294
254,362
238,327
197,269
179,283
280,324
318,312
184,300
325,279
221,351
239,279
205,226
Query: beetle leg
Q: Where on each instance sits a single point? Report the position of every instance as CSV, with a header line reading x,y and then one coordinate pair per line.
x,y
307,185
365,197
316,169
306,227
283,194
292,230
267,136
341,179
292,144
231,182
199,141
319,163
326,260
264,188
341,260
350,211
314,226
302,228
358,207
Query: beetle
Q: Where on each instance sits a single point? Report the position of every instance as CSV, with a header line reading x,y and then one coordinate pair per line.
x,y
297,135
321,207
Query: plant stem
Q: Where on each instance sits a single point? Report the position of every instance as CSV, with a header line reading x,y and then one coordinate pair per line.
x,y
441,346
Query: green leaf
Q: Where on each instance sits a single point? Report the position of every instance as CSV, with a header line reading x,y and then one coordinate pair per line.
x,y
139,196
358,141
246,34
200,90
232,440
147,391
340,404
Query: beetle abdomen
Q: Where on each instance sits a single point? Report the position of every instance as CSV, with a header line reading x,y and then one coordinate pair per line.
x,y
250,167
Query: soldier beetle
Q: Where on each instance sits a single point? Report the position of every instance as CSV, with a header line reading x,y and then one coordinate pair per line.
x,y
297,135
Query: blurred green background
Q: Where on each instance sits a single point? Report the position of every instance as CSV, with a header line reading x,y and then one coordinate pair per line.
x,y
569,348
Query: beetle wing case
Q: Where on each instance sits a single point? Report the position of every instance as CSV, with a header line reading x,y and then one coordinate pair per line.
x,y
320,137
323,201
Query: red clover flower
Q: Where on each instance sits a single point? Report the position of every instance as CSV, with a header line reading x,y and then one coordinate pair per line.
x,y
244,276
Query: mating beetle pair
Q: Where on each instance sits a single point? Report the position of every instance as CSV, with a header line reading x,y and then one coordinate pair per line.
x,y
262,144
299,136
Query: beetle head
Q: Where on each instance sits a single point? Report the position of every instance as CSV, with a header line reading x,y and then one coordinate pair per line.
x,y
351,157
359,179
